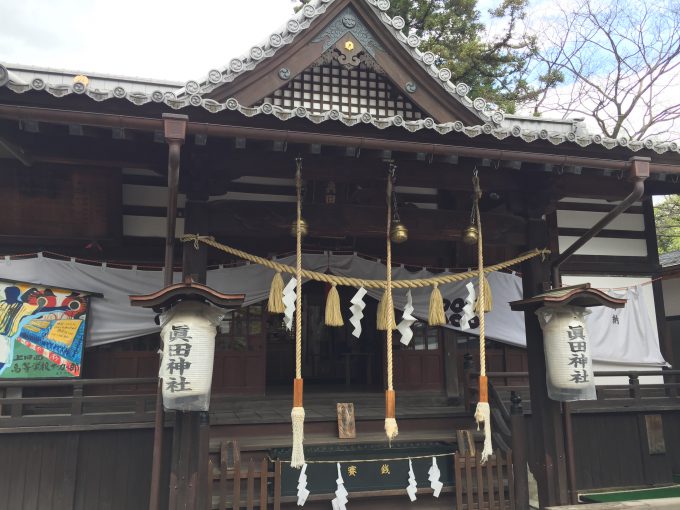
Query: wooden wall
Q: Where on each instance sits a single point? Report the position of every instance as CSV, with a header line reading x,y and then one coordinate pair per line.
x,y
60,205
97,470
611,450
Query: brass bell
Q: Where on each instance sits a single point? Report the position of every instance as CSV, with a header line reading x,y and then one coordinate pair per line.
x,y
470,235
303,228
398,232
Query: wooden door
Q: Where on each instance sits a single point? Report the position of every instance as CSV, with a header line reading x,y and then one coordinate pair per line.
x,y
240,352
420,365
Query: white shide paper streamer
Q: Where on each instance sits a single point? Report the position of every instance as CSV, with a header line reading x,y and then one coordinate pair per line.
x,y
303,492
340,500
434,478
412,488
357,309
407,320
289,297
469,308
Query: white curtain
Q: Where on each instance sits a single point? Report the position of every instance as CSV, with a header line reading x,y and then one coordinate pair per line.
x,y
629,338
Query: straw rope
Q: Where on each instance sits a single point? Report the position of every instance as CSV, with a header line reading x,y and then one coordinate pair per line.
x,y
360,282
358,461
297,414
298,272
482,287
483,410
389,306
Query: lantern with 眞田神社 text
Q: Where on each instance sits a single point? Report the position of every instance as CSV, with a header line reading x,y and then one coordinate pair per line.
x,y
189,315
188,331
561,313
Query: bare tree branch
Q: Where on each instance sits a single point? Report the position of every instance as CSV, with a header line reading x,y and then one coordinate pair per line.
x,y
620,62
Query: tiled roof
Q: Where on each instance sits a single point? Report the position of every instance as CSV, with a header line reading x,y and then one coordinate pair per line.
x,y
670,259
492,121
485,111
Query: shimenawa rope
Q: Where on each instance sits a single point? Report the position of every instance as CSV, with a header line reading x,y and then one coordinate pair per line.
x,y
360,282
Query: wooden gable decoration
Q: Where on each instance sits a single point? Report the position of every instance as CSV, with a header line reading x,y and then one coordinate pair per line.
x,y
348,56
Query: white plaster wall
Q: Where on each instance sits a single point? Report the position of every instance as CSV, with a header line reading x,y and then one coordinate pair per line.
x,y
671,296
149,226
607,246
586,219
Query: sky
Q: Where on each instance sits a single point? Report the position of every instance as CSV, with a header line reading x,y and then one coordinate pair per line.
x,y
164,40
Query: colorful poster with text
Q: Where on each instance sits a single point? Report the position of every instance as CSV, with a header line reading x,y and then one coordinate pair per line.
x,y
42,331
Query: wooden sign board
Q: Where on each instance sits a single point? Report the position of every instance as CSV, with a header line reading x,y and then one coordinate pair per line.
x,y
655,437
346,426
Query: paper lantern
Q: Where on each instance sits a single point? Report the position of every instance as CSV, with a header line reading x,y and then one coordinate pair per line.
x,y
569,366
188,332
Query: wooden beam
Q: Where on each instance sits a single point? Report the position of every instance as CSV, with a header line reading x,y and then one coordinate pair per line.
x,y
16,150
397,140
237,218
410,172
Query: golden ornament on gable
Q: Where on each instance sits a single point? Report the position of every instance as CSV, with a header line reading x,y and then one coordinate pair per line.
x,y
82,79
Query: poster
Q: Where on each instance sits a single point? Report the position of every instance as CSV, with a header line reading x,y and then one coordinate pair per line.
x,y
42,331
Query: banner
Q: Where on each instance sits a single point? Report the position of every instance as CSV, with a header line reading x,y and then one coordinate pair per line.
x,y
617,336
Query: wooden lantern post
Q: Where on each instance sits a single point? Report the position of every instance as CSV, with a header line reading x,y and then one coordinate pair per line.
x,y
189,461
553,465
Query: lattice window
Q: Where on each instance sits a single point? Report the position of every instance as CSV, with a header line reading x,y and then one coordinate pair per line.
x,y
351,91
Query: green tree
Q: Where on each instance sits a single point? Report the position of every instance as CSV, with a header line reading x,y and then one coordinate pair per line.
x,y
497,68
667,219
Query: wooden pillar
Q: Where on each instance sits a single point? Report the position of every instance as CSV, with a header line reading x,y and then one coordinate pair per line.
x,y
189,461
547,456
174,127
197,217
189,469
184,469
519,451
450,353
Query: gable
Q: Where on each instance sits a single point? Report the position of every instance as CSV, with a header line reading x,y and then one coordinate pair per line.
x,y
349,89
353,32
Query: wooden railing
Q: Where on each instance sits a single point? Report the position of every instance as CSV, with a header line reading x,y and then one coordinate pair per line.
x,y
484,486
633,395
75,402
235,485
